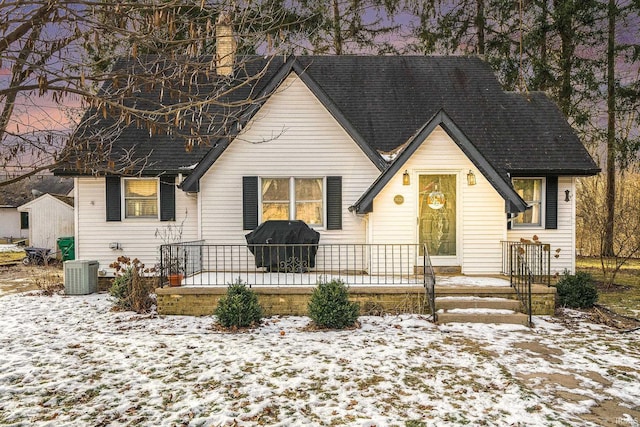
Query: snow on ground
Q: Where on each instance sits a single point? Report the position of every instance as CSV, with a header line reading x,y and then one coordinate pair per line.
x,y
71,361
259,278
10,248
458,280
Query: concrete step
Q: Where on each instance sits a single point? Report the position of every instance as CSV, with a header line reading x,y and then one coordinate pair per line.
x,y
460,316
448,303
475,291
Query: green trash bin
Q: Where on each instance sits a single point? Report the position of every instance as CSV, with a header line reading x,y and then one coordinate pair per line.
x,y
67,248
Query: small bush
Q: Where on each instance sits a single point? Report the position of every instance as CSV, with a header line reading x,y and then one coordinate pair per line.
x,y
330,306
239,307
577,291
50,282
120,289
130,290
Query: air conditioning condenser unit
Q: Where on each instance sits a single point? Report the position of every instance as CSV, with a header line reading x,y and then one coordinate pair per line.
x,y
80,277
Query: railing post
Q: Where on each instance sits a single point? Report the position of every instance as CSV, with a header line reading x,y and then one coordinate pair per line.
x,y
530,308
522,276
162,275
548,267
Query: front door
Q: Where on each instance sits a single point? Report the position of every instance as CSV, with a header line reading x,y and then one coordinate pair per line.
x,y
437,214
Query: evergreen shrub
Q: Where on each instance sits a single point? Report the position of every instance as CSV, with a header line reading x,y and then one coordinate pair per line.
x,y
577,291
330,307
239,307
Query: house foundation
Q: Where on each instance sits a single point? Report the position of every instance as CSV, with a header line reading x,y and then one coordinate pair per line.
x,y
291,301
374,300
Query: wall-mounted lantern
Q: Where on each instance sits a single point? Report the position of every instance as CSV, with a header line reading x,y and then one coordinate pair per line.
x,y
471,178
567,195
405,178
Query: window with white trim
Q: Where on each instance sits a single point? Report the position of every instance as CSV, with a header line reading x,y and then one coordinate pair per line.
x,y
531,190
141,198
293,199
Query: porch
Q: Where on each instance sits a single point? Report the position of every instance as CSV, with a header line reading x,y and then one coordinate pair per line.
x,y
391,278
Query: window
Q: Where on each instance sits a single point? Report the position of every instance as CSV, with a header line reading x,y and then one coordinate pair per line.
x,y
531,191
141,198
293,199
24,220
256,191
275,198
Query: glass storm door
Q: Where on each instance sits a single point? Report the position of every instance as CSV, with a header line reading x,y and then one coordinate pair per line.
x,y
437,214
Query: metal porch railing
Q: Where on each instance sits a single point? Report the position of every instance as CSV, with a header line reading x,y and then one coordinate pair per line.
x,y
429,282
537,257
200,264
521,279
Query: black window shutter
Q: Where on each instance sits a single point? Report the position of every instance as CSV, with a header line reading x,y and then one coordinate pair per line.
x,y
114,202
334,203
167,198
249,202
551,203
24,220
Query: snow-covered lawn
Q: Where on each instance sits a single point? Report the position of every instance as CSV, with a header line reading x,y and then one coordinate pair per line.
x,y
72,361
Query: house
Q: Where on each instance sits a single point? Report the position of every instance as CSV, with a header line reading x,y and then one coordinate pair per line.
x,y
51,216
367,150
15,224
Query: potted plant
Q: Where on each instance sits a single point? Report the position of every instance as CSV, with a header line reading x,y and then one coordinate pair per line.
x,y
173,256
174,266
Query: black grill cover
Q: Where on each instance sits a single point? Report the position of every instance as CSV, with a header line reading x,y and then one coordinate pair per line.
x,y
269,243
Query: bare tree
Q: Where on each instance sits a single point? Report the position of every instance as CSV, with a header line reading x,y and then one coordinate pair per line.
x,y
62,68
591,228
343,27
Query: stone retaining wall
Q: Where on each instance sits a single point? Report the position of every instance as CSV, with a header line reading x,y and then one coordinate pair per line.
x,y
201,301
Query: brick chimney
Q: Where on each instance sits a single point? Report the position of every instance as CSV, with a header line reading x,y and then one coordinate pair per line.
x,y
225,45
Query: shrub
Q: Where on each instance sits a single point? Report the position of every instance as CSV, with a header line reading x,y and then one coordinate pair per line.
x,y
130,290
577,291
50,282
239,307
120,290
330,307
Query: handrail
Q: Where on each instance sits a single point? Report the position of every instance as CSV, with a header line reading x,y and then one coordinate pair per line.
x,y
200,264
521,279
536,255
429,282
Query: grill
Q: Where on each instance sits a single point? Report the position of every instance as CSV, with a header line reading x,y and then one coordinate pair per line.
x,y
284,246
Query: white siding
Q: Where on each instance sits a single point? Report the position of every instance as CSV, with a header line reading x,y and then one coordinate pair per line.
x,y
49,219
564,237
10,223
136,236
292,135
481,221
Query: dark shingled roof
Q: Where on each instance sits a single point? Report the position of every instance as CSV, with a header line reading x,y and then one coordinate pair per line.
x,y
164,153
388,99
384,101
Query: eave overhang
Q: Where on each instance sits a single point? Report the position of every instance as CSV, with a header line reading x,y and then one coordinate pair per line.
x,y
513,202
191,183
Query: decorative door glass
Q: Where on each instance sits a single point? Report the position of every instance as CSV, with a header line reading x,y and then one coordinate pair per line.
x,y
437,214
